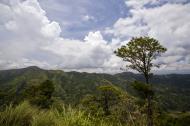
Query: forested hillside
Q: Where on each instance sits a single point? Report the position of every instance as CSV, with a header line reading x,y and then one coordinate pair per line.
x,y
35,97
172,91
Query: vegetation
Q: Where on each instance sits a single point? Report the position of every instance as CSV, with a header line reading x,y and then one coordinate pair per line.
x,y
27,115
140,52
41,95
172,92
35,97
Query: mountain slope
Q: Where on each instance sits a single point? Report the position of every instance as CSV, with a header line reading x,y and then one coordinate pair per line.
x,y
172,91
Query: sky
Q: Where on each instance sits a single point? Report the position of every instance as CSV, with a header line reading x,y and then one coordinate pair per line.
x,y
81,35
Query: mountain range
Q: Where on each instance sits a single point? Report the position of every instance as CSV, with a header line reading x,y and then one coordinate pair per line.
x,y
172,91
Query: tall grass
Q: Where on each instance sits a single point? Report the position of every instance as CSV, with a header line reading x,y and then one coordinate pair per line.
x,y
21,115
27,115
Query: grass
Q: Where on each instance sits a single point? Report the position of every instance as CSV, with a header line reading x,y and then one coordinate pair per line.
x,y
27,115
21,115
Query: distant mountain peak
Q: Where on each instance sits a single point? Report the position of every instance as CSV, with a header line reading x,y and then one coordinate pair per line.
x,y
33,68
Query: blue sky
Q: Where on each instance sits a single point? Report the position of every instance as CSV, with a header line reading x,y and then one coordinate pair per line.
x,y
78,17
81,35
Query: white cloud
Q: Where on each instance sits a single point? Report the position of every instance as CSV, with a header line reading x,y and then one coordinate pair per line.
x,y
11,25
23,29
28,37
169,23
137,4
128,27
92,53
87,18
51,30
32,39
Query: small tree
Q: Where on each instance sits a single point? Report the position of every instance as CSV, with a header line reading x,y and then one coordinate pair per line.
x,y
41,95
140,52
110,95
106,97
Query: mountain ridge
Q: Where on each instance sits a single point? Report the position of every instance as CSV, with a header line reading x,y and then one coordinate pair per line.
x,y
127,72
73,86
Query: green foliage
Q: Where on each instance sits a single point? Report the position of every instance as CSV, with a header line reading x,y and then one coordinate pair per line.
x,y
140,51
143,89
107,96
114,104
124,112
174,119
173,91
41,95
2,97
110,95
45,118
26,115
21,115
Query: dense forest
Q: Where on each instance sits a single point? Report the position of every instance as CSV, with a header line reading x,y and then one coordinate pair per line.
x,y
77,99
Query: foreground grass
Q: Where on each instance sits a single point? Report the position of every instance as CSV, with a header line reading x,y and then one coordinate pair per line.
x,y
27,115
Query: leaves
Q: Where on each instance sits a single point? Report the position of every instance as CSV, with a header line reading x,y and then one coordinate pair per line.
x,y
140,52
142,88
41,95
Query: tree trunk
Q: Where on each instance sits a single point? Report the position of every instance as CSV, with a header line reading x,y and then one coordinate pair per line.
x,y
149,107
149,111
106,106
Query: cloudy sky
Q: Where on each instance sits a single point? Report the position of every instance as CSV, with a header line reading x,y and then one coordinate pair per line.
x,y
81,35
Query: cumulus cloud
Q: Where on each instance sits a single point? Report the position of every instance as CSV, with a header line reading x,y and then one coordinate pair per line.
x,y
168,22
29,37
25,28
93,53
32,39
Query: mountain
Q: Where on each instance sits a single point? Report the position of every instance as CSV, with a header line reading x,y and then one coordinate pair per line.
x,y
172,90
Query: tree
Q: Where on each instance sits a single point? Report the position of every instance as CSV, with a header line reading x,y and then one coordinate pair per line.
x,y
140,53
110,95
111,102
107,96
142,89
41,95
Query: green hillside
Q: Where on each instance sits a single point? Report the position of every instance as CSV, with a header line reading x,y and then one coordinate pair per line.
x,y
172,91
